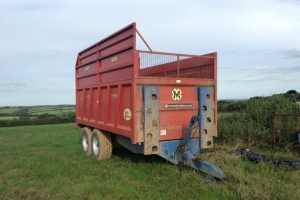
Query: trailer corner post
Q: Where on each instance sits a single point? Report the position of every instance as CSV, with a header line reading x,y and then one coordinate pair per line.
x,y
151,121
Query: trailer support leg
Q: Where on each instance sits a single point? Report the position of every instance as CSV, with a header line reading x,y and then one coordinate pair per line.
x,y
213,172
185,154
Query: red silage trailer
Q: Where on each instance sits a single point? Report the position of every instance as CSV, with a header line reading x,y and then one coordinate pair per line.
x,y
149,102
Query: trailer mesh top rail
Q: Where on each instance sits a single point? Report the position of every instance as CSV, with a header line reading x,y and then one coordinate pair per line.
x,y
157,64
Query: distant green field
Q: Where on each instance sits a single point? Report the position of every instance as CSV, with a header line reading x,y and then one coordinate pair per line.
x,y
42,109
56,110
8,118
51,111
46,162
11,118
39,110
8,110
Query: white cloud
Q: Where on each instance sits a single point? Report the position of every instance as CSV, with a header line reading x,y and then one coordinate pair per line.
x,y
250,79
256,40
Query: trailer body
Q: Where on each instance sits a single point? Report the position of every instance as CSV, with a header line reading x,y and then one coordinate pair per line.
x,y
145,100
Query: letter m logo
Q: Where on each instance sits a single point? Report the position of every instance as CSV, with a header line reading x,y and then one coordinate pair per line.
x,y
176,94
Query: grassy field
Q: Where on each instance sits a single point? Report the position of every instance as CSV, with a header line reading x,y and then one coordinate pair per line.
x,y
38,110
8,118
46,162
56,110
8,110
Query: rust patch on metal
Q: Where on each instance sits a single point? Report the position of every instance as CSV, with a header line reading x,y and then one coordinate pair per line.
x,y
154,96
149,136
149,110
151,120
154,122
169,158
198,160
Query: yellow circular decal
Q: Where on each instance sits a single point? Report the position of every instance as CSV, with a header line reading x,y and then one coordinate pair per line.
x,y
127,114
176,94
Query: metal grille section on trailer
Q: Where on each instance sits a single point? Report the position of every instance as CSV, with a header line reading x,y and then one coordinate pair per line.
x,y
146,99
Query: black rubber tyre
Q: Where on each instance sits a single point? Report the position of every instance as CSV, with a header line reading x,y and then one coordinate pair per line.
x,y
101,145
86,141
292,94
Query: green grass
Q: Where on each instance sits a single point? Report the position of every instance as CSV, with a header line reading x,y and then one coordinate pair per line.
x,y
8,118
224,115
11,118
56,110
46,162
39,110
8,110
255,123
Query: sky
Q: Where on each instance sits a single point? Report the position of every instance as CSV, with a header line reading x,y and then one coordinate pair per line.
x,y
258,42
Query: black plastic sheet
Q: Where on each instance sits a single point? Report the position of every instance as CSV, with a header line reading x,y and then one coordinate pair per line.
x,y
257,158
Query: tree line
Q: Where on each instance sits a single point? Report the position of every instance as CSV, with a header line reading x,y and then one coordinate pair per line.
x,y
39,120
225,106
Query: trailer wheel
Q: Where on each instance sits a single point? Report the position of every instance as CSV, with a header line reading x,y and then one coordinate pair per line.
x,y
86,141
101,145
292,94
